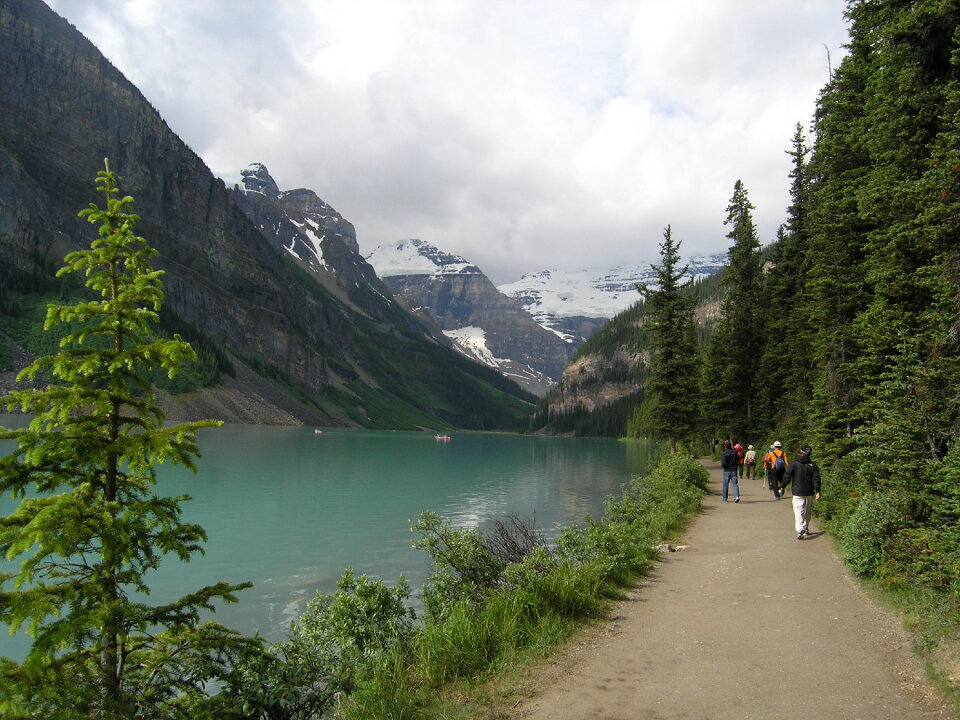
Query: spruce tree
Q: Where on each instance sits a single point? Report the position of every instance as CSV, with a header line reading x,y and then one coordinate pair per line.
x,y
783,380
89,528
732,357
674,364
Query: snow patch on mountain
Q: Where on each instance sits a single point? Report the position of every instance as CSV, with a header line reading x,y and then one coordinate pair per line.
x,y
315,246
474,339
592,293
417,257
471,341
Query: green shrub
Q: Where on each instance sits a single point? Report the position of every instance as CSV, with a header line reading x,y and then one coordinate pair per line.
x,y
336,648
363,614
491,596
867,536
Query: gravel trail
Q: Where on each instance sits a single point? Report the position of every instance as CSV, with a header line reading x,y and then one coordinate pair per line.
x,y
746,622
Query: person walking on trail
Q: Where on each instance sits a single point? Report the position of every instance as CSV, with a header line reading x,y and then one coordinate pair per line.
x,y
805,476
750,462
768,470
778,462
739,448
729,462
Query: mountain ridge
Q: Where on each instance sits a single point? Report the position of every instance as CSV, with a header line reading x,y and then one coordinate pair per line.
x,y
64,107
483,323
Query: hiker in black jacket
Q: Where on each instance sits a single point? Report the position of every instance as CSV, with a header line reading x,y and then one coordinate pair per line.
x,y
730,462
805,476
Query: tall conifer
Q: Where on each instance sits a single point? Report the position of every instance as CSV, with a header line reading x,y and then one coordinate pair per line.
x,y
672,385
89,529
783,382
732,358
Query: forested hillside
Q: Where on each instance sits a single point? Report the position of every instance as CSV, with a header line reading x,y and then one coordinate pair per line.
x,y
601,392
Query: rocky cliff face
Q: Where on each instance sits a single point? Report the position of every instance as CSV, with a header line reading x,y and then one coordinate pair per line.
x,y
482,321
316,237
64,107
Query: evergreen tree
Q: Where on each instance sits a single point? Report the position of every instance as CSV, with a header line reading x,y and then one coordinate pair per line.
x,y
732,356
783,383
884,272
835,249
672,384
88,528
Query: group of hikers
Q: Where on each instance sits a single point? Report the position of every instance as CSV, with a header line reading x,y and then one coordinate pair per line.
x,y
779,472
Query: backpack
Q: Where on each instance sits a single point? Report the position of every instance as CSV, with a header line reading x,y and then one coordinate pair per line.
x,y
779,464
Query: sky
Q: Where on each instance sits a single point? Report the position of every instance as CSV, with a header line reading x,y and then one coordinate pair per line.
x,y
521,134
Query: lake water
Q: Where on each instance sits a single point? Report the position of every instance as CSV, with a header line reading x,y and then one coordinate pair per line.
x,y
289,509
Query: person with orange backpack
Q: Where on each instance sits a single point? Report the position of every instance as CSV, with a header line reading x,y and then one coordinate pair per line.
x,y
776,462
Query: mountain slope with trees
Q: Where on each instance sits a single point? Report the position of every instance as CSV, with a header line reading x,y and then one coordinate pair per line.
x,y
279,333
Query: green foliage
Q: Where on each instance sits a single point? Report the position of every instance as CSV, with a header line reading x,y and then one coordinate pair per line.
x,y
732,355
363,614
27,326
339,646
867,537
672,387
493,595
88,528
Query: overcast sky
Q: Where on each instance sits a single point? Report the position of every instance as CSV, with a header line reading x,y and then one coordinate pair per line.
x,y
524,135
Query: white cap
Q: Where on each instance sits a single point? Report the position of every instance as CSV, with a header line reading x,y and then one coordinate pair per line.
x,y
777,444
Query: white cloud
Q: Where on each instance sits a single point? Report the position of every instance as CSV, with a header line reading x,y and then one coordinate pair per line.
x,y
520,135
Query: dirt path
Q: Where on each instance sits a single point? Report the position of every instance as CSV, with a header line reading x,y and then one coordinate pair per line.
x,y
748,622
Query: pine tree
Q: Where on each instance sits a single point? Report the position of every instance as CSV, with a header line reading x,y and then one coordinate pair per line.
x,y
89,528
732,357
672,384
783,383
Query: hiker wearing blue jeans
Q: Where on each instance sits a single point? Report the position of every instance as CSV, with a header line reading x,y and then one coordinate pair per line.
x,y
730,462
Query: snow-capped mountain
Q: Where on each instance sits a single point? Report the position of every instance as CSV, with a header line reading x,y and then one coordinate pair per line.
x,y
305,225
416,257
575,303
482,322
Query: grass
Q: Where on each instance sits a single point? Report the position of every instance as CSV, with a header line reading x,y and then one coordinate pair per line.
x,y
932,617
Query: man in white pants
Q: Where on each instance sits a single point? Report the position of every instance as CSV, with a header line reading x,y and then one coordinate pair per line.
x,y
805,476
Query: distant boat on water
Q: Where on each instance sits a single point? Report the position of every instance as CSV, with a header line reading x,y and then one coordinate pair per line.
x,y
441,437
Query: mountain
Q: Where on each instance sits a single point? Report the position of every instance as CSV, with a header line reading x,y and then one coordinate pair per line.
x,y
312,234
575,304
294,344
602,387
483,323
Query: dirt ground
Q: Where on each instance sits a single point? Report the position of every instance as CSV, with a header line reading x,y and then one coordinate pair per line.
x,y
746,622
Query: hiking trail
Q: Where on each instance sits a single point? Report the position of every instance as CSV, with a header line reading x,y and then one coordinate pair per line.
x,y
746,623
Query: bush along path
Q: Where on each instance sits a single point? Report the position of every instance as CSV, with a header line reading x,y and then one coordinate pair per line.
x,y
747,622
493,598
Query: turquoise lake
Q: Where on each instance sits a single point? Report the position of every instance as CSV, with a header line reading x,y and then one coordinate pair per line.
x,y
288,509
